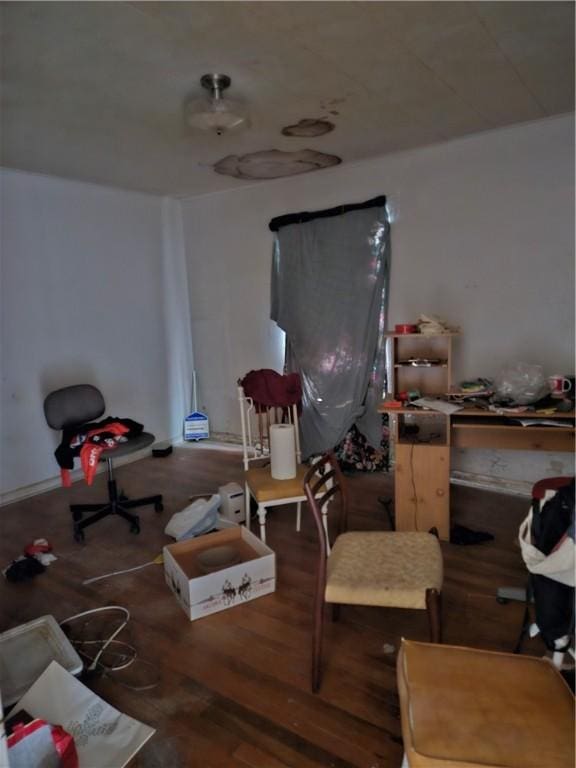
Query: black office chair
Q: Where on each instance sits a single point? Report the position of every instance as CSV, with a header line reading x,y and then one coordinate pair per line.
x,y
75,406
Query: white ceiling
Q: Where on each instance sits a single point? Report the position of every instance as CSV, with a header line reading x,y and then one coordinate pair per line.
x,y
94,90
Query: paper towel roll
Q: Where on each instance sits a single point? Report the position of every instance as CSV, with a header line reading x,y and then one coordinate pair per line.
x,y
282,452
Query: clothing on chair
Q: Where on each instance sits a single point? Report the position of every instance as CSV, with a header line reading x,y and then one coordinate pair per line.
x,y
89,441
548,549
96,441
267,388
556,519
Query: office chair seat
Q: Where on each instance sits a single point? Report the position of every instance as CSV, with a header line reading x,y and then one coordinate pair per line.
x,y
137,443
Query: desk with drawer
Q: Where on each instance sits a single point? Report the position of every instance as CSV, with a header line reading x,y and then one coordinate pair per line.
x,y
422,469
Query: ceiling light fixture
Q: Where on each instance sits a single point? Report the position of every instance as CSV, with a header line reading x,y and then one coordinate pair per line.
x,y
214,112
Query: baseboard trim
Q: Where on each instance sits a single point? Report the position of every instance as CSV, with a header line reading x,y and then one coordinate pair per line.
x,y
225,442
215,444
491,483
76,475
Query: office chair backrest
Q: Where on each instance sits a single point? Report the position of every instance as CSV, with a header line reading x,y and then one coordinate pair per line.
x,y
74,405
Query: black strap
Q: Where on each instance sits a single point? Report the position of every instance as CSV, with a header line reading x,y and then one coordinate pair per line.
x,y
304,216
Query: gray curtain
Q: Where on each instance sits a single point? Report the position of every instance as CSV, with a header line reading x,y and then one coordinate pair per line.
x,y
329,290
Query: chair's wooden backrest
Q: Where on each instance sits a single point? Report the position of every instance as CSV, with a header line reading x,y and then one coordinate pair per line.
x,y
256,422
325,488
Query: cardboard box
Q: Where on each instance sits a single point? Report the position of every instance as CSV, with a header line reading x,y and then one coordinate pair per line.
x,y
201,594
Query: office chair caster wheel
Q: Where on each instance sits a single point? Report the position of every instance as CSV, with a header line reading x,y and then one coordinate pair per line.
x,y
135,527
158,507
78,535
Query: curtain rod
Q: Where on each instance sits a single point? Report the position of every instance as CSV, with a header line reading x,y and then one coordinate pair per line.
x,y
301,218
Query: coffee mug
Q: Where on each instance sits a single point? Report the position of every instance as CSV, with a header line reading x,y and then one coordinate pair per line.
x,y
559,385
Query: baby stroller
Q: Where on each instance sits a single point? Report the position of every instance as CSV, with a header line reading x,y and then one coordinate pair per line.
x,y
546,539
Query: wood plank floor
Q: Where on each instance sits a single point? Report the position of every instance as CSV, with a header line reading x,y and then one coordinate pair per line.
x,y
234,687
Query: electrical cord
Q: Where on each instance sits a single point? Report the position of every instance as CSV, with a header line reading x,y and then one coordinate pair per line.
x,y
157,561
105,643
414,486
420,441
123,660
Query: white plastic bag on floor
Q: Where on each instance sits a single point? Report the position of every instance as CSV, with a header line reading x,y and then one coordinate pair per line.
x,y
199,517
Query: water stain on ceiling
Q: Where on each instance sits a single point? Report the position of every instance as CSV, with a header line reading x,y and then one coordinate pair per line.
x,y
308,127
274,163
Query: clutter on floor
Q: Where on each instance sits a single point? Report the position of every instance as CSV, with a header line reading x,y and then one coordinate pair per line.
x,y
102,735
162,450
459,534
27,650
159,560
23,568
232,503
34,742
36,557
219,570
183,684
197,518
208,513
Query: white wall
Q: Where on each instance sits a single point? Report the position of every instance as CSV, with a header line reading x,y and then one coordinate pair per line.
x,y
82,302
483,234
93,282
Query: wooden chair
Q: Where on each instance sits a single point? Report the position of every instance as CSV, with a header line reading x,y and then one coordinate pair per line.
x,y
258,482
382,568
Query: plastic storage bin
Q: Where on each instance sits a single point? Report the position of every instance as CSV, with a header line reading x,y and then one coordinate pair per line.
x,y
27,650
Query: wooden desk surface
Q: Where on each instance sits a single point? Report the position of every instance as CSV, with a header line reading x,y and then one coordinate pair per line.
x,y
422,470
480,413
478,428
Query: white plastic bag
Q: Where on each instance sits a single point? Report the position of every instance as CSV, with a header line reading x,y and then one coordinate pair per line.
x,y
521,384
199,517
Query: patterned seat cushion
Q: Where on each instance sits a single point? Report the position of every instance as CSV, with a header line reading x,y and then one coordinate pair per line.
x,y
392,569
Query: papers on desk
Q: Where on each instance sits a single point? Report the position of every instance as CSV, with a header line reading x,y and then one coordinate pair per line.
x,y
544,423
437,405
